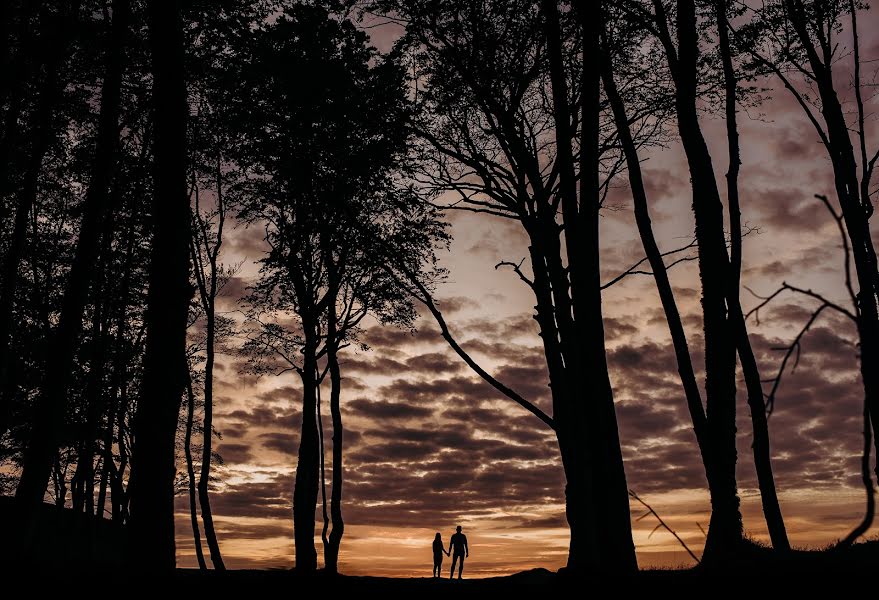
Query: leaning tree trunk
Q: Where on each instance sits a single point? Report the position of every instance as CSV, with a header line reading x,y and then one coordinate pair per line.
x,y
657,265
50,410
153,465
759,421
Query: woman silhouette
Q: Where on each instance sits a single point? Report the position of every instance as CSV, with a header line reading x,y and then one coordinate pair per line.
x,y
438,551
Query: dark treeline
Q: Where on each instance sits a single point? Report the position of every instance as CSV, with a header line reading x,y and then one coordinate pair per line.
x,y
135,134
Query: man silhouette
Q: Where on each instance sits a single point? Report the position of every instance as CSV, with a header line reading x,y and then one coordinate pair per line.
x,y
458,543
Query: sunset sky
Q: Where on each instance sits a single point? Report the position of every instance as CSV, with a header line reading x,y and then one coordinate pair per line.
x,y
429,446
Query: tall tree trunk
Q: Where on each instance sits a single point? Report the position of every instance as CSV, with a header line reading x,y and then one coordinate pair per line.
x,y
324,537
589,425
307,469
151,488
51,404
725,532
657,266
207,438
581,487
613,509
190,471
207,435
759,421
584,550
205,473
335,540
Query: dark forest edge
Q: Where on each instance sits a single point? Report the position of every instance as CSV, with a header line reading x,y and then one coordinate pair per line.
x,y
190,113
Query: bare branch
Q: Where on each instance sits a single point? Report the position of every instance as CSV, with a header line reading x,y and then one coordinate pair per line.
x,y
634,270
811,294
517,268
793,349
662,524
423,295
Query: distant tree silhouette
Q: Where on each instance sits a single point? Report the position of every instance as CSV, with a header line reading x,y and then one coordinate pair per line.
x,y
210,277
152,485
321,168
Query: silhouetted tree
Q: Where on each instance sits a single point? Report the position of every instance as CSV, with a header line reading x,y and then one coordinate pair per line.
x,y
210,277
152,485
800,46
750,369
320,166
676,27
502,146
190,471
49,413
55,35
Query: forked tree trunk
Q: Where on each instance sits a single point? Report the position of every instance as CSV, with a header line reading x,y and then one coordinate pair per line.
x,y
657,265
308,466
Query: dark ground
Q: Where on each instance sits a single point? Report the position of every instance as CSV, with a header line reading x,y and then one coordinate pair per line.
x,y
71,549
806,574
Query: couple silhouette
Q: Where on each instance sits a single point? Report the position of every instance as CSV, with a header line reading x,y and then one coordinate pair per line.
x,y
458,544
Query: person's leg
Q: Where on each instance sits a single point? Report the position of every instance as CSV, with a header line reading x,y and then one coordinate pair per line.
x,y
454,560
460,566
